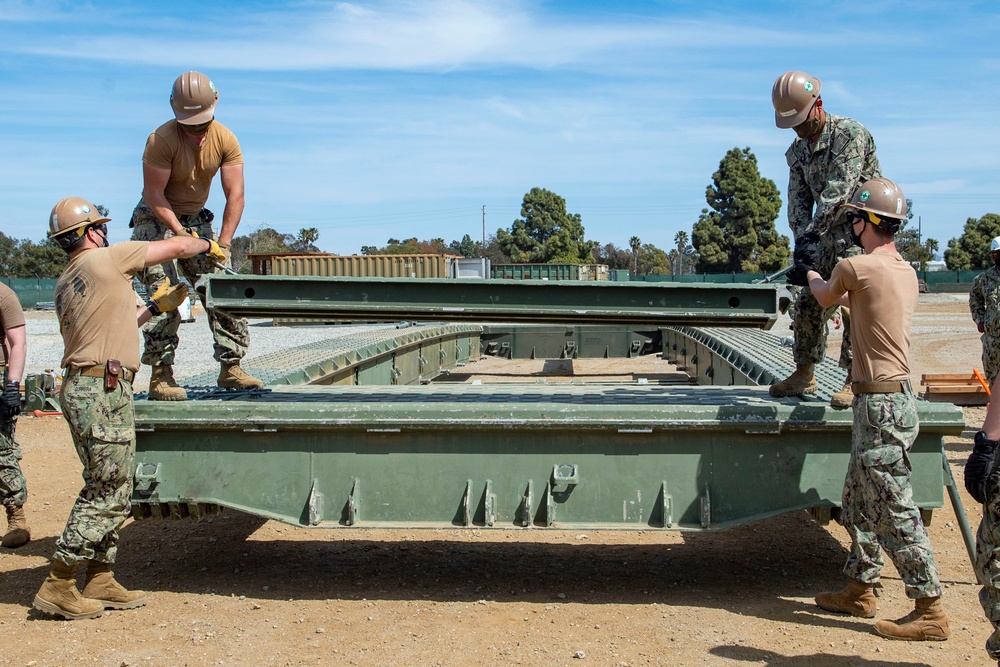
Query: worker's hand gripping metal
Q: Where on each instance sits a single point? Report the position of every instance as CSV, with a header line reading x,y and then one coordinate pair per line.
x,y
804,258
982,465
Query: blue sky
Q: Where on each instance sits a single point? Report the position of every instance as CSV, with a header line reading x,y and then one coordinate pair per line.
x,y
371,120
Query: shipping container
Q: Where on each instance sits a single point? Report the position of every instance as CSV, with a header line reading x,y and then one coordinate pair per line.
x,y
587,272
363,266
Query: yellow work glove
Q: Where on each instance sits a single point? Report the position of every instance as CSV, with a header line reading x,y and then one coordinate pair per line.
x,y
167,297
229,253
214,251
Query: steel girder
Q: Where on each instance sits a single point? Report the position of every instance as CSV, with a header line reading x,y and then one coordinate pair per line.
x,y
395,300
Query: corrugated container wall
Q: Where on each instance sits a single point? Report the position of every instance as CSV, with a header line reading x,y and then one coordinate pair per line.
x,y
550,271
365,266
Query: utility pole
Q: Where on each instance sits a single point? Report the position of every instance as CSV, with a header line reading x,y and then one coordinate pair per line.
x,y
484,231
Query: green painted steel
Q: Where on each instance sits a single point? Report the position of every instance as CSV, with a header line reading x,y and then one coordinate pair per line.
x,y
544,341
724,357
376,355
394,300
561,456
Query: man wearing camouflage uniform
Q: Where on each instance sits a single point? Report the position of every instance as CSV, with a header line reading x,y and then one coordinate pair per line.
x,y
13,351
96,307
877,508
181,158
984,302
829,160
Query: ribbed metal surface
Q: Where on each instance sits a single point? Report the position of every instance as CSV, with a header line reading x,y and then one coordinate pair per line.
x,y
345,349
758,356
375,266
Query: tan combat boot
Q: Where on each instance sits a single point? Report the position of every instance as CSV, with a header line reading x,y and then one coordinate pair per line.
x,y
18,532
162,386
856,599
233,377
58,595
798,383
102,587
845,397
927,622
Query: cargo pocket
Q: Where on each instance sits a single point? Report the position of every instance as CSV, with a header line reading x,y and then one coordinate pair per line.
x,y
111,454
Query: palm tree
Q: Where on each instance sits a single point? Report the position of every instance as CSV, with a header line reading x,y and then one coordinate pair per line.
x,y
635,243
681,239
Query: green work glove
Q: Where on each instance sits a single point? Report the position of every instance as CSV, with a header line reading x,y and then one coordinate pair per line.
x,y
167,297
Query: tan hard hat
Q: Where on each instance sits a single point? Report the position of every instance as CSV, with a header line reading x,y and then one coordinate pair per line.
x,y
73,213
793,97
193,98
882,197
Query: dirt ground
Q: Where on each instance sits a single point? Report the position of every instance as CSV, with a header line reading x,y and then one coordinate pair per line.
x,y
238,590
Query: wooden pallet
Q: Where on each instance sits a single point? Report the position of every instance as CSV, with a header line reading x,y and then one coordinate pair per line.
x,y
957,388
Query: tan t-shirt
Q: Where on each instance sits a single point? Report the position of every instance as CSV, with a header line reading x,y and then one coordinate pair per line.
x,y
882,289
11,317
95,304
191,169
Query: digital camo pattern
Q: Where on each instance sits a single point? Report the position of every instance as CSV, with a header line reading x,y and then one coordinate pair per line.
x,y
13,488
102,424
878,508
988,561
810,322
231,335
822,178
984,302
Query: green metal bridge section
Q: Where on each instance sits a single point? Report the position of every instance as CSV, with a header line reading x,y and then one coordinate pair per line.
x,y
379,355
713,452
482,301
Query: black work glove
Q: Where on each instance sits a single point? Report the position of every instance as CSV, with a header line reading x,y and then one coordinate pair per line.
x,y
798,275
805,249
979,467
11,398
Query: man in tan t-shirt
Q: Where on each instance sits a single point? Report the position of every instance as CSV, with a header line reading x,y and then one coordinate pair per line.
x,y
877,510
96,308
13,351
181,158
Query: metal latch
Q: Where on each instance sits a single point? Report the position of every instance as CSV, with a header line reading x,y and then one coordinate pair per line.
x,y
146,478
565,473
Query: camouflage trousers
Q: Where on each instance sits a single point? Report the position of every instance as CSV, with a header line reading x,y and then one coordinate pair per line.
x,y
13,488
231,335
102,424
988,562
878,509
809,319
991,357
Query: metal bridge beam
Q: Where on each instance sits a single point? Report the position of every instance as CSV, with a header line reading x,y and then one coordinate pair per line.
x,y
441,300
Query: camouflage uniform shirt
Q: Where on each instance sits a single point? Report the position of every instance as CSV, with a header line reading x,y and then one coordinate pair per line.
x,y
825,175
821,178
984,302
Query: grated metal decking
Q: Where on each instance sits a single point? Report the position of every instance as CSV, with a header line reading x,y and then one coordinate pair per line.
x,y
726,356
386,354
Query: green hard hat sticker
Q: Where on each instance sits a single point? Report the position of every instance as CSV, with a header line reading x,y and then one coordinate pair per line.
x,y
808,85
864,196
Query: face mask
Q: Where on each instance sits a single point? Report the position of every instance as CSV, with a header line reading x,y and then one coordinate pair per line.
x,y
856,238
809,128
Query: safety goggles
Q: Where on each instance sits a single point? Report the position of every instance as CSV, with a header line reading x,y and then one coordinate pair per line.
x,y
857,215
